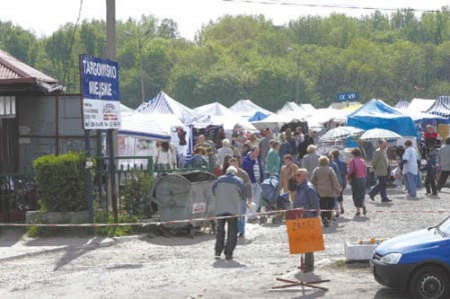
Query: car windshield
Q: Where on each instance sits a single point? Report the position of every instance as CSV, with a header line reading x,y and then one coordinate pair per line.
x,y
444,227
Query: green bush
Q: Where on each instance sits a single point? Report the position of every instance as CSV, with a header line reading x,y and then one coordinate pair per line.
x,y
135,193
61,182
116,231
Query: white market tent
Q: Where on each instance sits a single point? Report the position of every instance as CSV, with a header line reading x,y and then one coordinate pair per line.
x,y
325,115
164,104
305,109
217,114
276,121
144,127
416,109
125,110
246,109
421,105
289,107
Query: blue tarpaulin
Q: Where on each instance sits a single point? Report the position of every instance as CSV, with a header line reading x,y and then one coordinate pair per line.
x,y
258,116
378,114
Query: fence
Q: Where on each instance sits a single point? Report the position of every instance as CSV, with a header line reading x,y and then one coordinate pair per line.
x,y
17,195
18,191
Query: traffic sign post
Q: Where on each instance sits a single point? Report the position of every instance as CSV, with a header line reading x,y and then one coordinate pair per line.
x,y
99,82
100,92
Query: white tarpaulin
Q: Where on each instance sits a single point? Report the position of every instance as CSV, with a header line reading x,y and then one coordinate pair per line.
x,y
246,109
217,114
305,109
144,126
421,105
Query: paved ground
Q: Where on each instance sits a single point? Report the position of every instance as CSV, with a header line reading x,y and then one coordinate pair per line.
x,y
181,267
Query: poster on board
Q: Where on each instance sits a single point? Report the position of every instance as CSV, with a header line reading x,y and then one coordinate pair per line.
x,y
100,92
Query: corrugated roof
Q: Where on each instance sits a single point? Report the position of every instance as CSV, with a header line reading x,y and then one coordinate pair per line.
x,y
12,68
6,73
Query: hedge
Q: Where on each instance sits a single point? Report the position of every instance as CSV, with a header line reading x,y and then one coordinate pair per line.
x,y
61,182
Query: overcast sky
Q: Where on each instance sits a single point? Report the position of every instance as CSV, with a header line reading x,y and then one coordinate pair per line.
x,y
45,16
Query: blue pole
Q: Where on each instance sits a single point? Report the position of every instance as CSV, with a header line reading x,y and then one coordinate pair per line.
x,y
88,167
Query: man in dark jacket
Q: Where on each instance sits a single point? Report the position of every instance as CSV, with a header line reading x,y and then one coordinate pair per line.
x,y
229,191
306,198
253,166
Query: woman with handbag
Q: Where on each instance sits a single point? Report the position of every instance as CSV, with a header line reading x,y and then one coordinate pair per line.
x,y
357,171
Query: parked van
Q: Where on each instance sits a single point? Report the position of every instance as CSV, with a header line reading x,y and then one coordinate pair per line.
x,y
418,262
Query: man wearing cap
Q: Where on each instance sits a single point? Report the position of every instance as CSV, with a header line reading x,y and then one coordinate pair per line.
x,y
229,191
224,151
306,198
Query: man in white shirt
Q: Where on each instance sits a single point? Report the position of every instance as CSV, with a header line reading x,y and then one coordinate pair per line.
x,y
410,168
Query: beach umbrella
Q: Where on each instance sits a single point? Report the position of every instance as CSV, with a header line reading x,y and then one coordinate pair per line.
x,y
377,134
340,133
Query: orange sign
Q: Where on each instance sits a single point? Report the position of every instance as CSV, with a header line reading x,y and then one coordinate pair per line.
x,y
305,235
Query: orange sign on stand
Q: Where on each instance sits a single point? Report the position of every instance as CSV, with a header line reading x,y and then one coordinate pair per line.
x,y
305,235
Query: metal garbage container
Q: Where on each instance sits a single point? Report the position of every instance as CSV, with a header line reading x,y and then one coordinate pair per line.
x,y
185,195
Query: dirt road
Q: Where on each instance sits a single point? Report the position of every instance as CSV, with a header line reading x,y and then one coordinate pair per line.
x,y
181,267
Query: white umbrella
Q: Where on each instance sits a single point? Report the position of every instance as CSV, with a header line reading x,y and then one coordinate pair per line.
x,y
339,133
376,134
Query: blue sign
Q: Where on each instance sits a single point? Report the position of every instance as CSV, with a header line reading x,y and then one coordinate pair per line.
x,y
100,78
347,96
100,91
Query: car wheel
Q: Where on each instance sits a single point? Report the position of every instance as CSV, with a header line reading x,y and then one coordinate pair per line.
x,y
430,282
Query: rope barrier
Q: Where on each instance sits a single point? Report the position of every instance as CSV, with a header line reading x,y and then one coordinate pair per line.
x,y
202,219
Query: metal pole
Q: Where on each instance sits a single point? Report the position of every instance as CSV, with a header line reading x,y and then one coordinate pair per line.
x,y
112,174
88,167
87,149
141,67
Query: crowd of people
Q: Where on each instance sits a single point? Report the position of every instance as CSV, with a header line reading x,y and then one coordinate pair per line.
x,y
310,180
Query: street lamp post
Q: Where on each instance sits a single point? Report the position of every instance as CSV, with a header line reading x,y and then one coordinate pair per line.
x,y
297,79
141,65
297,82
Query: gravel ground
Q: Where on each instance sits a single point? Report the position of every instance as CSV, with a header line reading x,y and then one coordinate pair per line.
x,y
181,267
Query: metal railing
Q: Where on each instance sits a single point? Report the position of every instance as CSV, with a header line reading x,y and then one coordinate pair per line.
x,y
17,195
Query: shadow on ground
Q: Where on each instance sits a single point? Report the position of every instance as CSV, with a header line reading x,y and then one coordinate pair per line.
x,y
10,236
220,263
386,293
62,241
180,239
304,292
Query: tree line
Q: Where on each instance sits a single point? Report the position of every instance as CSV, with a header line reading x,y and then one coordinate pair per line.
x,y
390,57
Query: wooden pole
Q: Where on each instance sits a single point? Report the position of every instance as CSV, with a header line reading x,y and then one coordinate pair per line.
x,y
111,135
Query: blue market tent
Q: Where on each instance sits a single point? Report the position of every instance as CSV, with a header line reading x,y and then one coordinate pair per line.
x,y
378,114
258,116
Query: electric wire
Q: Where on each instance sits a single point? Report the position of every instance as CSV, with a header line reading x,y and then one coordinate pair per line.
x,y
337,6
72,42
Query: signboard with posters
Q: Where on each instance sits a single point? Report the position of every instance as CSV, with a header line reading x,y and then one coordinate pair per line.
x,y
100,92
347,96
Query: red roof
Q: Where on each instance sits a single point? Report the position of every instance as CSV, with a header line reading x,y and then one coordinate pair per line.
x,y
13,70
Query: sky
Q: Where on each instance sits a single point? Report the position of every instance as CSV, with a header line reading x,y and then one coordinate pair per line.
x,y
43,17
